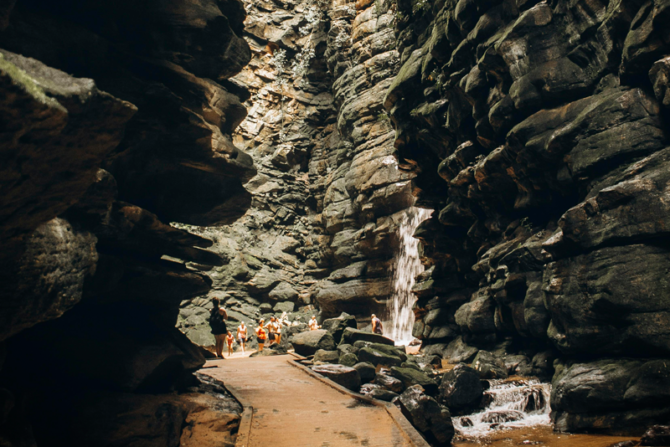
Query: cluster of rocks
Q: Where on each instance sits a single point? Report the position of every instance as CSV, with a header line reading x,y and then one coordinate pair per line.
x,y
116,119
372,365
538,133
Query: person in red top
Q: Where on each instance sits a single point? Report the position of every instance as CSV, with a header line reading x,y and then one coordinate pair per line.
x,y
262,335
230,339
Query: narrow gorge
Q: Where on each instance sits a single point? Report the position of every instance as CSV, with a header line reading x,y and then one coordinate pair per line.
x,y
489,177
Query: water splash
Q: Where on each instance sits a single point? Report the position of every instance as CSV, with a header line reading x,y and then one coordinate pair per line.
x,y
512,404
406,266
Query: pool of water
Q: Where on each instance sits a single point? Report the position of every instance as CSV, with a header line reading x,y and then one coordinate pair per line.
x,y
542,436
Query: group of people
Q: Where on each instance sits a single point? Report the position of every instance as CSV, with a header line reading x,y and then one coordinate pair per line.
x,y
270,332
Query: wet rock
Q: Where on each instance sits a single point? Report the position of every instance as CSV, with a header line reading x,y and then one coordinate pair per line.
x,y
461,389
326,356
351,335
498,417
656,435
429,417
340,374
367,371
389,382
619,393
337,325
348,359
307,343
382,394
411,376
379,357
458,351
489,366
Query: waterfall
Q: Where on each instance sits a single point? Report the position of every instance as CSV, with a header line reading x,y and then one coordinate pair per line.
x,y
511,404
406,266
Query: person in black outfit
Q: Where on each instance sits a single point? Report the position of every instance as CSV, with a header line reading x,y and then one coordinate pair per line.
x,y
218,324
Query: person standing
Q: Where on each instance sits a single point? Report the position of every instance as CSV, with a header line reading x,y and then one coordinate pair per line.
x,y
377,325
242,335
217,322
229,340
313,324
262,336
278,325
271,330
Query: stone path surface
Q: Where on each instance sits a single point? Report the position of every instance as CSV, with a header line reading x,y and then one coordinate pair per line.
x,y
292,408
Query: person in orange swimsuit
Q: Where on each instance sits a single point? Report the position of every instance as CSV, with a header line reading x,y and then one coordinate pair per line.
x,y
262,335
230,339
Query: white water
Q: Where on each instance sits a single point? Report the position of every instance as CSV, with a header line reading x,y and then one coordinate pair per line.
x,y
406,266
516,404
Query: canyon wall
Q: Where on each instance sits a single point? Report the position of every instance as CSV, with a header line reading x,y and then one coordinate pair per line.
x,y
329,195
539,133
116,119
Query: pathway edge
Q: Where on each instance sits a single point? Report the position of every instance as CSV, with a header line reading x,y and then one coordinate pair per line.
x,y
246,417
400,420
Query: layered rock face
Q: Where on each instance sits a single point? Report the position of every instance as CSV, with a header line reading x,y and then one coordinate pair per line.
x,y
539,132
116,119
329,196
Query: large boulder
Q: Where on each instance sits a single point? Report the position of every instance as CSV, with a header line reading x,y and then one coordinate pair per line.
x,y
461,388
429,417
326,356
351,335
378,357
344,375
307,343
411,376
389,382
489,366
348,359
366,371
615,394
336,326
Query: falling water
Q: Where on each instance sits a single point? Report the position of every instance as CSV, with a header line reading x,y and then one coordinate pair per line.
x,y
511,404
406,267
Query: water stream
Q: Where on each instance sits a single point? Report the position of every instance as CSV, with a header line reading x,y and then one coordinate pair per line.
x,y
512,403
406,266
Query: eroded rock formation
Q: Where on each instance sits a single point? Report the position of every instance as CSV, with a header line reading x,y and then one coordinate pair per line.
x,y
548,121
116,119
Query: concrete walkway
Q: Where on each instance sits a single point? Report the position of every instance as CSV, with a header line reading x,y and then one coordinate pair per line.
x,y
286,406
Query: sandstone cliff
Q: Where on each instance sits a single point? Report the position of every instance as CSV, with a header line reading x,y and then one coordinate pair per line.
x,y
548,121
116,119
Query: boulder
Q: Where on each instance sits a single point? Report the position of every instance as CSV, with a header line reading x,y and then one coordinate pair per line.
x,y
656,435
429,417
382,394
458,351
366,371
307,343
336,326
611,394
283,292
348,359
351,335
461,389
389,382
265,308
489,366
286,306
344,375
377,357
411,376
326,356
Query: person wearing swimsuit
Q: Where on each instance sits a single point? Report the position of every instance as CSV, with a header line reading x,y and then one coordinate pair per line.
x,y
262,336
242,335
313,325
271,330
230,339
377,325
